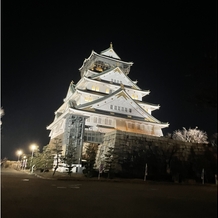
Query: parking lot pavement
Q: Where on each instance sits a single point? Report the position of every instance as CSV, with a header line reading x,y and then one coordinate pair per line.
x,y
24,195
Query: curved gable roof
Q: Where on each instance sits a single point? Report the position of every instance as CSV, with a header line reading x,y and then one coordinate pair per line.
x,y
110,52
140,112
120,75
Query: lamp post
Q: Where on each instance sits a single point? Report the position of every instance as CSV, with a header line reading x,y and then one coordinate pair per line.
x,y
24,162
19,152
32,147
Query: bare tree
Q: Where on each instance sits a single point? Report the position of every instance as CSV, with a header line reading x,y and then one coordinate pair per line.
x,y
190,135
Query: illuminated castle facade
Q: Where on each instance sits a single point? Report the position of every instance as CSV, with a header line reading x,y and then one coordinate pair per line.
x,y
103,100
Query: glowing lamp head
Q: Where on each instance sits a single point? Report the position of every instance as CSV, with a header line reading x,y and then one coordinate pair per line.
x,y
19,152
33,147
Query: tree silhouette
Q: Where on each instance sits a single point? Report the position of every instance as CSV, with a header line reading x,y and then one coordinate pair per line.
x,y
89,156
70,158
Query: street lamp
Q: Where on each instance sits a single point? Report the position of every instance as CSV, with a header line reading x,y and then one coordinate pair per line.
x,y
19,152
32,148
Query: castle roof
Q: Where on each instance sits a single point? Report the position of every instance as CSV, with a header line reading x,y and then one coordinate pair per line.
x,y
110,52
103,105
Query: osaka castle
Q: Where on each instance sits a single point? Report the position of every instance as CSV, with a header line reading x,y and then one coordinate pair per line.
x,y
103,100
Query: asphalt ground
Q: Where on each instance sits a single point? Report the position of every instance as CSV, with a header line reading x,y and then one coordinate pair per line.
x,y
30,195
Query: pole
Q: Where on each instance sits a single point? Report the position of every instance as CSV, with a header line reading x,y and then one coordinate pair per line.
x,y
18,166
202,176
100,170
32,162
146,171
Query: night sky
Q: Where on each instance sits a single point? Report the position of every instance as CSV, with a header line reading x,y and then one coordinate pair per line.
x,y
43,44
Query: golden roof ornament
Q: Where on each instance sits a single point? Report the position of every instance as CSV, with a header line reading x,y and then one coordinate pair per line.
x,y
122,94
99,69
111,45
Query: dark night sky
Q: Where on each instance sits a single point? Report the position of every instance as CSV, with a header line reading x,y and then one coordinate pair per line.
x,y
43,44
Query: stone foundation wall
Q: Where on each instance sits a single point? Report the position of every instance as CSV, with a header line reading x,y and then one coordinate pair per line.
x,y
118,147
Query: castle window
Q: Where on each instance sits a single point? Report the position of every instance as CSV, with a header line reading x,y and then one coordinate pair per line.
x,y
99,120
134,96
88,98
115,107
95,119
111,106
106,121
130,110
118,108
125,109
95,88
